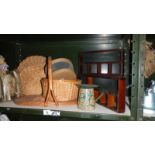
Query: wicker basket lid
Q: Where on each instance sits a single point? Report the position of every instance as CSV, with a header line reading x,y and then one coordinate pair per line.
x,y
62,68
62,62
66,74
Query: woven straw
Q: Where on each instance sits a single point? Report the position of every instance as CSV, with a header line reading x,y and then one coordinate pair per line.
x,y
31,80
32,61
149,63
31,71
64,90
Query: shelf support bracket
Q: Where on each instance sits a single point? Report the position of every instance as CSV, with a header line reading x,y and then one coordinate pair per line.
x,y
137,89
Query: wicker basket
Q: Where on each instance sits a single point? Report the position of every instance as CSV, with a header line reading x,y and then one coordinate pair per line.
x,y
64,90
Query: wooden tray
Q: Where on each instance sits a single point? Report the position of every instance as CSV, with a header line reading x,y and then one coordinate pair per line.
x,y
36,100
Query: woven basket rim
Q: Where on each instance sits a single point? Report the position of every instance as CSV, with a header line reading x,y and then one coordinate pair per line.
x,y
62,59
67,81
76,80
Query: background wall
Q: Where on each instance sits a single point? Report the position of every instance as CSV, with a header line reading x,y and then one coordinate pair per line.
x,y
16,47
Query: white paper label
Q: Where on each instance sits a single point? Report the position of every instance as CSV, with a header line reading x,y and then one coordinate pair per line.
x,y
51,113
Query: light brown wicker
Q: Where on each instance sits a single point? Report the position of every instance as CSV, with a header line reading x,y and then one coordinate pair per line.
x,y
64,90
65,74
149,59
31,71
58,90
149,63
31,80
35,60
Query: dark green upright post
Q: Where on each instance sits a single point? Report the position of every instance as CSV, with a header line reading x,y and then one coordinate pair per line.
x,y
18,52
137,90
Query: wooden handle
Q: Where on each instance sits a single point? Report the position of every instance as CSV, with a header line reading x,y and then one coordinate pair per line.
x,y
50,83
50,73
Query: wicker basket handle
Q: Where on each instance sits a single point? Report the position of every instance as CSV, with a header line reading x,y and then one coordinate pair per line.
x,y
49,70
50,83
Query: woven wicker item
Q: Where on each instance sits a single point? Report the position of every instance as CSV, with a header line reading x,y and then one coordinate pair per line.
x,y
31,71
64,90
61,62
55,92
30,80
32,61
149,63
65,74
149,59
62,68
58,90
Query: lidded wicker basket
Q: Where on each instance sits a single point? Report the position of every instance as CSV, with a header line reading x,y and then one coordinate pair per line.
x,y
61,90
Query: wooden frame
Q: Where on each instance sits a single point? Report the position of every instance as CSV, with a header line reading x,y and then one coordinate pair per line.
x,y
119,76
89,64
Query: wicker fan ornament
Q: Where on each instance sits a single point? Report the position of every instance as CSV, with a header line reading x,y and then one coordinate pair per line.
x,y
32,61
31,71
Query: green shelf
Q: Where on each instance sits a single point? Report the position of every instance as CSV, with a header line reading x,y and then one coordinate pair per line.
x,y
100,112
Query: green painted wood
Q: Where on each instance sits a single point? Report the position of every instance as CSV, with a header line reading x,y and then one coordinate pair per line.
x,y
137,90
